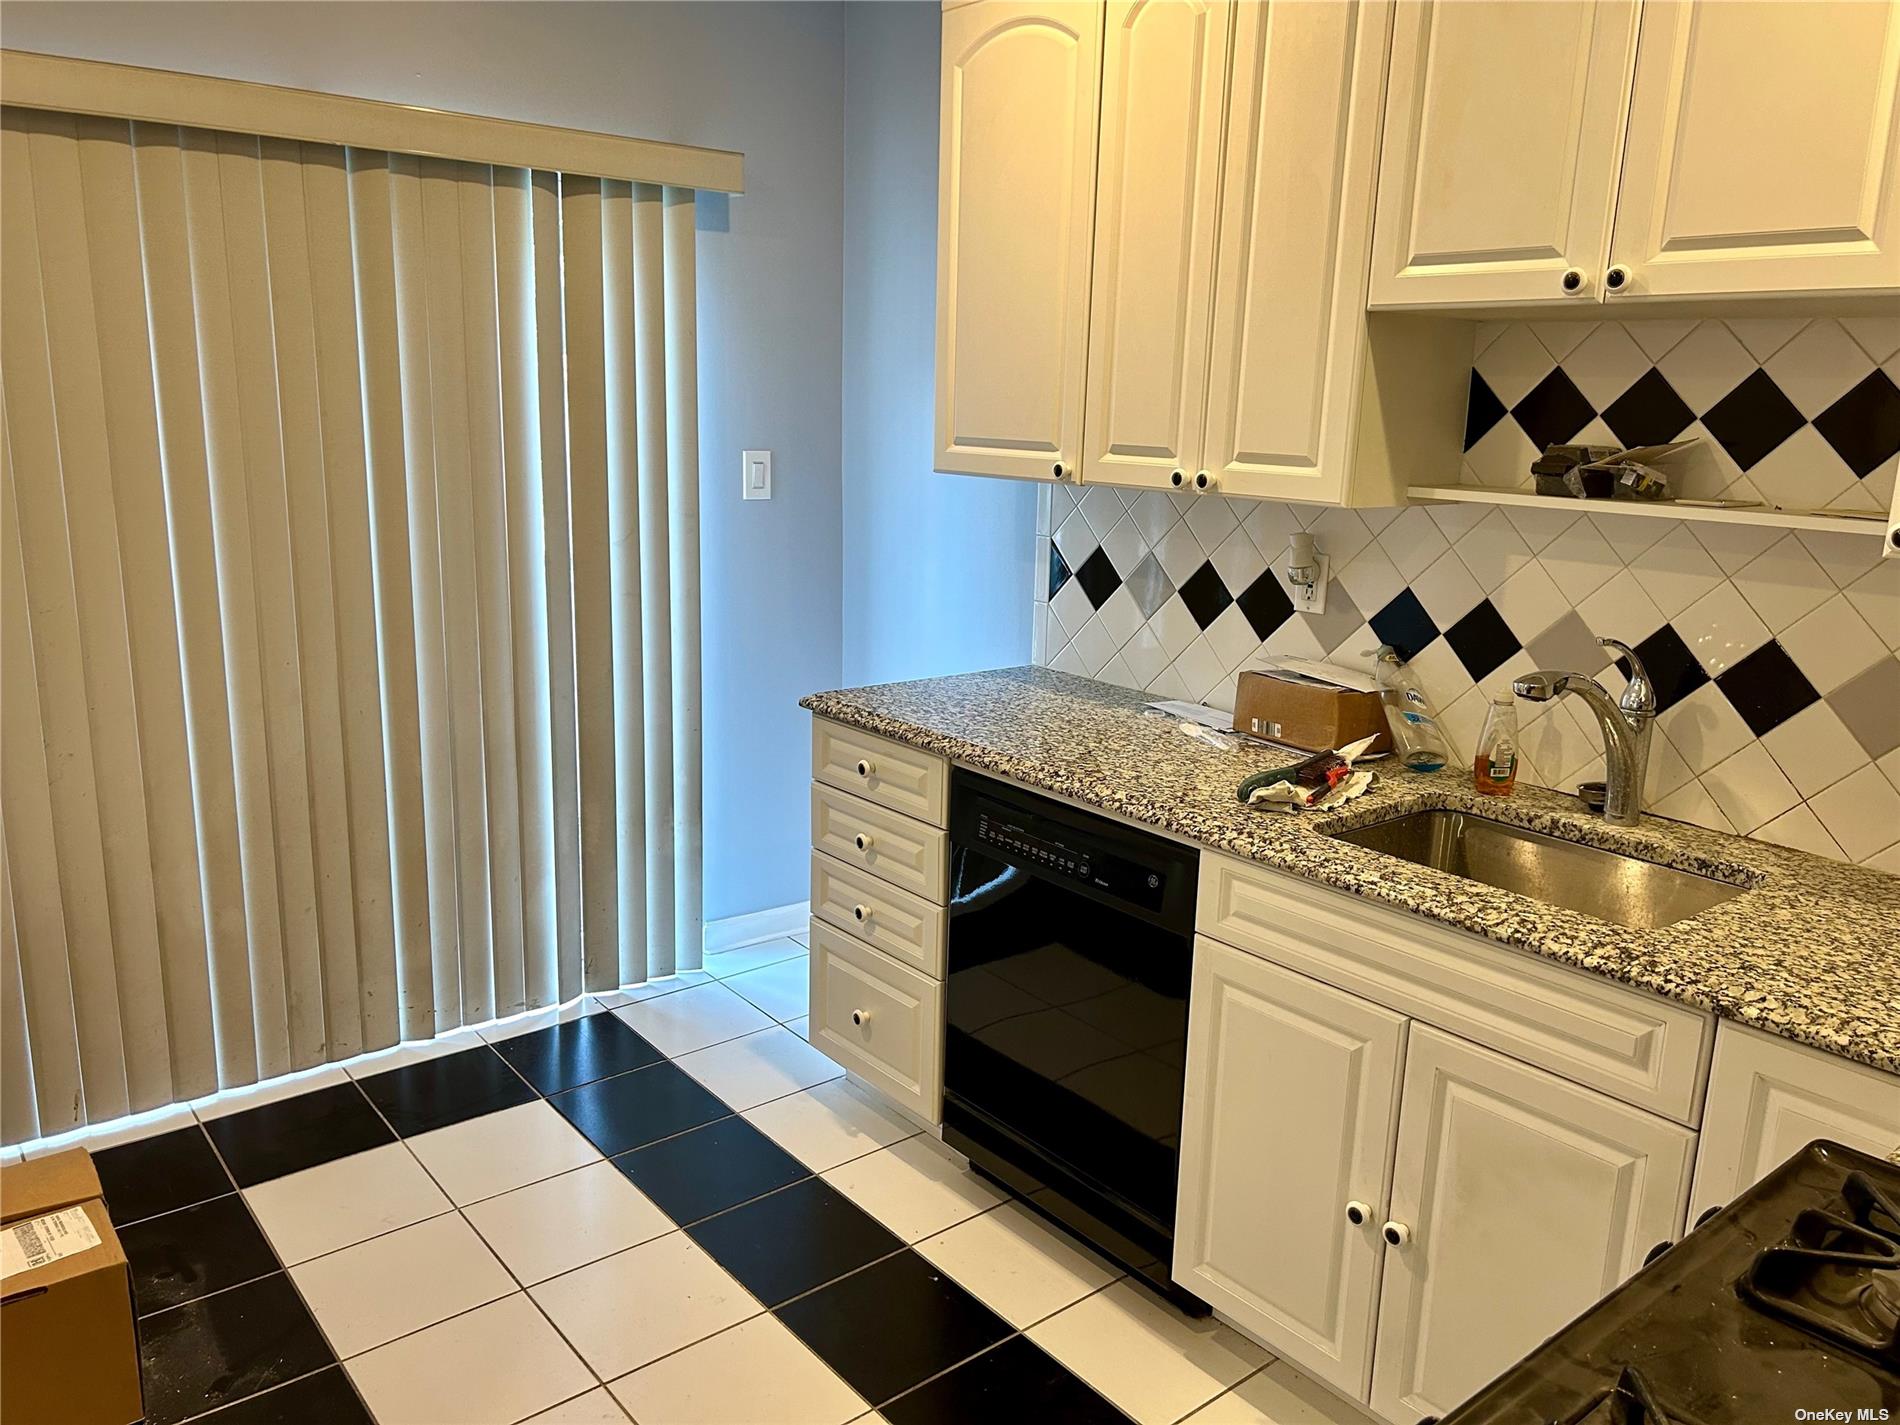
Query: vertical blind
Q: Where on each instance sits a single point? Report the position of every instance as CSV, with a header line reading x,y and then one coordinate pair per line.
x,y
349,641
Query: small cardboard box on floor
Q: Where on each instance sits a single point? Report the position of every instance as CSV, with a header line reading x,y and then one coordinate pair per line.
x,y
67,1339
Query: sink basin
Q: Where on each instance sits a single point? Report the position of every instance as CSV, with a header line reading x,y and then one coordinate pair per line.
x,y
1606,884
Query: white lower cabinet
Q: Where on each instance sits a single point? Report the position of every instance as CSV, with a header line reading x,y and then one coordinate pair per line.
x,y
1518,1199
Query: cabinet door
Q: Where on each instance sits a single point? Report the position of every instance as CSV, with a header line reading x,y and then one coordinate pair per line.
x,y
1526,1198
1503,125
1292,1090
1764,150
1769,1097
1164,79
1015,212
1290,289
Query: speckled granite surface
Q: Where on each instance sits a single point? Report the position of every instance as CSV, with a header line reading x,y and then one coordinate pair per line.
x,y
1810,951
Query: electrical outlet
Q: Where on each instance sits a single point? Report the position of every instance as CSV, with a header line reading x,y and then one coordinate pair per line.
x,y
1313,601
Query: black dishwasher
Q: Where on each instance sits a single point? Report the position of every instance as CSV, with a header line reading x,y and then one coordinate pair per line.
x,y
1070,950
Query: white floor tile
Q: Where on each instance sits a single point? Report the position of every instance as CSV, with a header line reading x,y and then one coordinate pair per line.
x,y
1016,1264
759,1067
693,1018
400,1282
801,1027
1146,1357
229,1101
782,990
914,1188
498,1151
665,985
727,963
494,1366
829,1124
644,1303
597,1407
1279,1395
536,1019
757,1371
337,1204
554,1226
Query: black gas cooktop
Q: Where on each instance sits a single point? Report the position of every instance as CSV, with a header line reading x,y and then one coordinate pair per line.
x,y
1786,1300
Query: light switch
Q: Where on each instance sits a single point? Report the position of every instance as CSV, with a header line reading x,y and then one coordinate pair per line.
x,y
756,474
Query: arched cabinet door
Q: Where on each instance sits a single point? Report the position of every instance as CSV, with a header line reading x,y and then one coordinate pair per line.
x,y
1015,220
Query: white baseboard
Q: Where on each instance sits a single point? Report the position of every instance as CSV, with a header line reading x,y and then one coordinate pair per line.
x,y
755,926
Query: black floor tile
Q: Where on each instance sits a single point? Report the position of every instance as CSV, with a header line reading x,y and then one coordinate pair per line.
x,y
710,1169
297,1133
181,1255
565,1056
158,1174
419,1098
894,1324
326,1398
794,1240
632,1110
225,1346
1017,1380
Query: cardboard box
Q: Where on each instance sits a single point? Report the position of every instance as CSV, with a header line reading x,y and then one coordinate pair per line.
x,y
66,1323
1298,711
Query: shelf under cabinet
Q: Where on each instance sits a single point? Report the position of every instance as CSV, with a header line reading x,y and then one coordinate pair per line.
x,y
1874,527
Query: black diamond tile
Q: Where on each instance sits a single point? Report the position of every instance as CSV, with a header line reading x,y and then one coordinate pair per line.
x,y
296,1133
1649,413
225,1346
1753,419
1098,578
783,1245
710,1169
1673,668
1058,569
1017,1380
565,1056
181,1255
1204,594
1482,640
326,1398
159,1174
419,1098
1405,625
1766,688
1482,411
1266,605
893,1325
1552,411
1864,425
632,1110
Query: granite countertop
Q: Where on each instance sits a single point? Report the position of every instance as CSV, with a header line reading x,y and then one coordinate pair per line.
x,y
1810,950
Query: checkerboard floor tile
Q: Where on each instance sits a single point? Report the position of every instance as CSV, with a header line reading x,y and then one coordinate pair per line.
x,y
555,1221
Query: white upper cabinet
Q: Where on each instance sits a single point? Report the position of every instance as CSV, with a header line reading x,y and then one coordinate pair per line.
x,y
1764,150
1164,81
1016,199
1503,123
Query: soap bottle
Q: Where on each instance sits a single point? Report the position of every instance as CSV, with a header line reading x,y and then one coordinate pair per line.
x,y
1494,769
1421,745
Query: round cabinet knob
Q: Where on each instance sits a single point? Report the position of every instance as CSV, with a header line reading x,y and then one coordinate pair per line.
x,y
1358,1213
1617,278
1178,479
1059,470
1574,280
862,841
860,912
1203,481
860,1017
1396,1234
865,767
1656,1251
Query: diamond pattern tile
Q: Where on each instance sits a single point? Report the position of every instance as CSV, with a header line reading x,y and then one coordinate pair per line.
x,y
1552,411
1671,664
1753,419
1482,640
1405,625
1482,411
1649,413
1864,425
1766,688
1205,595
1058,569
1267,607
1098,578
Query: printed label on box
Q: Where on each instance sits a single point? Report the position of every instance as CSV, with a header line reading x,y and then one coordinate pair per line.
x,y
35,1241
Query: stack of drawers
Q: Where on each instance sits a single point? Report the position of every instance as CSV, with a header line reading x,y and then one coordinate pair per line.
x,y
879,868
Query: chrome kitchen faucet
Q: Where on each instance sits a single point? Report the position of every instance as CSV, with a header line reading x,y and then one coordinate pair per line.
x,y
1626,725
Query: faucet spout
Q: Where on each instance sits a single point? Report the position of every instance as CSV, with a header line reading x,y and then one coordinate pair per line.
x,y
1626,725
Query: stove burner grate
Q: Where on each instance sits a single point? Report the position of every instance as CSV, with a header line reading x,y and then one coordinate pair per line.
x,y
1836,1276
1629,1400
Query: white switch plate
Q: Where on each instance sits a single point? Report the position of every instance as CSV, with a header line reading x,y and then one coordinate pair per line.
x,y
1315,602
755,474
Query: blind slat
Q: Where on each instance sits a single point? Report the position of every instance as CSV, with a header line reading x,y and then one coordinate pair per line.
x,y
682,440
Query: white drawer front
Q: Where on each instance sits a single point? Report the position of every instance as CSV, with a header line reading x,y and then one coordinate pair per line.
x,y
892,847
886,772
904,926
879,1019
1637,1047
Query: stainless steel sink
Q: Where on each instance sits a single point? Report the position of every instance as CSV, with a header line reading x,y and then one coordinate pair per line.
x,y
1606,884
